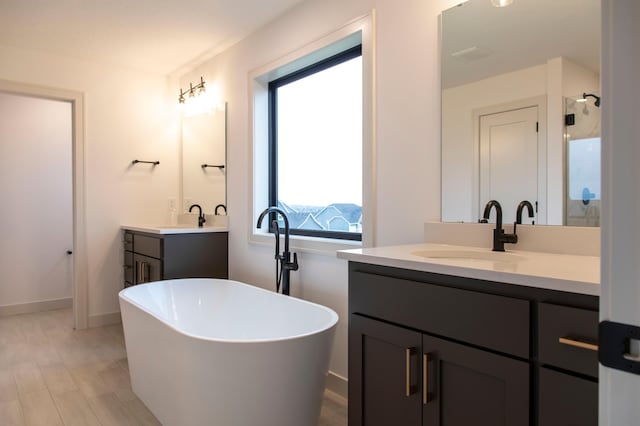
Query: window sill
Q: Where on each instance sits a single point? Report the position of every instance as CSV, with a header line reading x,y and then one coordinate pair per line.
x,y
315,245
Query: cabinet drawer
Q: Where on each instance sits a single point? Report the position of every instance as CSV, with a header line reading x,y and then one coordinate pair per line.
x,y
567,400
495,322
148,246
580,329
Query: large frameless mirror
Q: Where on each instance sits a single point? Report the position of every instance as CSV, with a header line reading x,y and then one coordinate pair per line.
x,y
521,110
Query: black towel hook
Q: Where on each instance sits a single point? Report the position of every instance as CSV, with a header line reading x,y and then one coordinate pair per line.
x,y
221,166
155,163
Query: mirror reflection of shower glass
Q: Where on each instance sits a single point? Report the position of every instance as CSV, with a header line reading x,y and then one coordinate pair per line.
x,y
582,132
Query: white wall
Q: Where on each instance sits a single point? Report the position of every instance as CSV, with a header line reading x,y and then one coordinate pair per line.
x,y
556,79
127,116
408,137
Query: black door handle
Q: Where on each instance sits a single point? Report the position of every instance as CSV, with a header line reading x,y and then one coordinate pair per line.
x,y
69,252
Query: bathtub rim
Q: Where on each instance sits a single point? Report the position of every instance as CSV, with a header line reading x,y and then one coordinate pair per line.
x,y
331,323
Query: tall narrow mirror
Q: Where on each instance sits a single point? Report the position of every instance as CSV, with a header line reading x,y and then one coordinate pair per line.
x,y
204,140
511,77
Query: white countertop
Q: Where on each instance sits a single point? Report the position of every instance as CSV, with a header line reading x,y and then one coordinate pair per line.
x,y
174,229
562,272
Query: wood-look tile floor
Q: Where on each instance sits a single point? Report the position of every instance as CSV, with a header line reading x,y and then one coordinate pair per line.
x,y
53,375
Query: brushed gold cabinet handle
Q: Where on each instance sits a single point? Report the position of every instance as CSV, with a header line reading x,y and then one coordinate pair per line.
x,y
425,379
578,344
409,390
145,272
407,366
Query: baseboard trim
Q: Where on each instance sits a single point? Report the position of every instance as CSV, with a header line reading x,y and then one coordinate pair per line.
x,y
31,307
338,384
104,319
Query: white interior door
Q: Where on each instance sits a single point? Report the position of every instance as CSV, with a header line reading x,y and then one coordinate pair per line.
x,y
509,160
620,294
36,191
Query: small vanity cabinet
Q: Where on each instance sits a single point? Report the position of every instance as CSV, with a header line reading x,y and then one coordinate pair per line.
x,y
152,257
433,349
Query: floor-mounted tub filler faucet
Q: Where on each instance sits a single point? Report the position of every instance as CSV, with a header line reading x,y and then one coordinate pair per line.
x,y
499,237
284,265
201,219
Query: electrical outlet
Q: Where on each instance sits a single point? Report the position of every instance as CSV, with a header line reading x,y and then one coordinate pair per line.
x,y
186,204
173,204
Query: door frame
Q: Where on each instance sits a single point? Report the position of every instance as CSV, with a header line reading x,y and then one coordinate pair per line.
x,y
620,246
80,273
541,103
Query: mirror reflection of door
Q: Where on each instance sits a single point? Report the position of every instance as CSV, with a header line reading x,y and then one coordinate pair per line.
x,y
509,160
582,130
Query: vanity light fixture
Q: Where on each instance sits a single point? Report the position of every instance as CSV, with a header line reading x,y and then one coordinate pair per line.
x,y
200,98
198,89
501,3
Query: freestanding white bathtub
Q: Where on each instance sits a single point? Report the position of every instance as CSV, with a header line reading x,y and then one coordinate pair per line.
x,y
222,353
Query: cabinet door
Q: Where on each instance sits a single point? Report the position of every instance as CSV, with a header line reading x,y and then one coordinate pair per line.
x,y
467,386
384,374
196,255
567,400
146,269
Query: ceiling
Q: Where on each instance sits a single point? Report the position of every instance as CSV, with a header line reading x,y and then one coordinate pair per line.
x,y
159,36
480,40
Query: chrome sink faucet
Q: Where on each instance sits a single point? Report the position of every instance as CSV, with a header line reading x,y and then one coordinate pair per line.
x,y
499,237
201,219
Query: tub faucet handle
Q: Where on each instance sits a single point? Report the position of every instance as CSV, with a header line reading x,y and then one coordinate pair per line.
x,y
293,266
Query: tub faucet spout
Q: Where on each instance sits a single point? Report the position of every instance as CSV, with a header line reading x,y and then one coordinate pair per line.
x,y
286,265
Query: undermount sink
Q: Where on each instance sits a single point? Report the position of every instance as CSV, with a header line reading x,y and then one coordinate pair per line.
x,y
461,254
179,226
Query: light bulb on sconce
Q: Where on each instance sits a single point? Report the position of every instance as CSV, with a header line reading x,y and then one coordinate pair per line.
x,y
501,3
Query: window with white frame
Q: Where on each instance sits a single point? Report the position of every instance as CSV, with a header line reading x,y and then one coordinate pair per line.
x,y
315,147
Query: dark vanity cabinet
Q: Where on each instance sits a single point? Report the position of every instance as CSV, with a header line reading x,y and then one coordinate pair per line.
x,y
430,349
152,257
